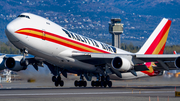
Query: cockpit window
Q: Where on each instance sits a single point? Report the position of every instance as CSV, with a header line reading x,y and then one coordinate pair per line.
x,y
24,16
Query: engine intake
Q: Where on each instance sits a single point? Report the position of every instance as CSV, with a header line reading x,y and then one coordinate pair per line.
x,y
177,62
2,64
10,63
14,64
121,64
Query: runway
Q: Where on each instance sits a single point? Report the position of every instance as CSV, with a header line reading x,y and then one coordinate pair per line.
x,y
88,94
133,90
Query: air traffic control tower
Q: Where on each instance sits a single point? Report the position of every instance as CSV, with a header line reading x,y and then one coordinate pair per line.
x,y
116,29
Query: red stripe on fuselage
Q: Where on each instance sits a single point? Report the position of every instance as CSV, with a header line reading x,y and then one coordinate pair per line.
x,y
60,37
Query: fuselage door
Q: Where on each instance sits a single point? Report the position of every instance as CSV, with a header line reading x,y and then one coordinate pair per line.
x,y
43,35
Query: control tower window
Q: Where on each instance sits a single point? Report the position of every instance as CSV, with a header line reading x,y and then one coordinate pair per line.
x,y
25,16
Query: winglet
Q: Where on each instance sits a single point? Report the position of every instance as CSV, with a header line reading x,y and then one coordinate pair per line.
x,y
156,42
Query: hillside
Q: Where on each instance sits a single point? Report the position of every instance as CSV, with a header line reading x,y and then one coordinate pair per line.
x,y
91,17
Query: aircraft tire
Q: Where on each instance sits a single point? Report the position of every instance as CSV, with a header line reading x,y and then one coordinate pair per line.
x,y
109,83
58,79
56,83
103,84
76,83
92,83
84,83
80,83
54,79
61,83
97,83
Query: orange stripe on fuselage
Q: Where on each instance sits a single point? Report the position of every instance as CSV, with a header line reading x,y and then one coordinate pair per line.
x,y
59,40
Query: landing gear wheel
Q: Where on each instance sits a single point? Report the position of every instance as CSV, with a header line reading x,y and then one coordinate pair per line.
x,y
80,83
105,81
103,84
92,83
54,78
59,79
56,83
61,83
84,83
95,83
109,83
76,83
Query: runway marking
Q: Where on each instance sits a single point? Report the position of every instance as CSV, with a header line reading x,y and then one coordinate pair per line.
x,y
90,93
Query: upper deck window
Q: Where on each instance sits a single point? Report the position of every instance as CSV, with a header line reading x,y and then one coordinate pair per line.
x,y
24,16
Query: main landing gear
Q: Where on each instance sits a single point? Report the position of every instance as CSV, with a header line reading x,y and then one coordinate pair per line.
x,y
57,81
80,83
104,82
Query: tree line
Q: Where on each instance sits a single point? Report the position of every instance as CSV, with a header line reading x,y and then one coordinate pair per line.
x,y
168,49
8,48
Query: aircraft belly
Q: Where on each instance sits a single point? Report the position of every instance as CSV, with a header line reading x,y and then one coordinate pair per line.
x,y
128,76
72,64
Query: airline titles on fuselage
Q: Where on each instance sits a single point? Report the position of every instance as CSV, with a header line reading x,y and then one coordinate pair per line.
x,y
90,41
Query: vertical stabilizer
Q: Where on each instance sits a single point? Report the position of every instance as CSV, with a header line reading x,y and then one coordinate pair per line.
x,y
156,42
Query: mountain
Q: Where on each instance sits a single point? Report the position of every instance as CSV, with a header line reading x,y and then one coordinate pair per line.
x,y
91,17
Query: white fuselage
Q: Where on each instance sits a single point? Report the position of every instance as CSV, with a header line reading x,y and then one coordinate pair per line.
x,y
51,42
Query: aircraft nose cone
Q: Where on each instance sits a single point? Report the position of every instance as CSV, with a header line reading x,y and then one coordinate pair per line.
x,y
10,32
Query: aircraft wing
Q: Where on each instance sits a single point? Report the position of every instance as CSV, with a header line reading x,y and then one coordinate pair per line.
x,y
95,58
162,62
16,62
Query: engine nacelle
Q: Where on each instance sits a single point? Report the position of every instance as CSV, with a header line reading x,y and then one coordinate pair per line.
x,y
177,62
121,64
2,63
14,64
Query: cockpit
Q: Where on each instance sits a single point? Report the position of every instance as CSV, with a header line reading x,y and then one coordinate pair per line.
x,y
25,16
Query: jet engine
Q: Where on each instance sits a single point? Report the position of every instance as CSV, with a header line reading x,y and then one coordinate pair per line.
x,y
177,62
121,64
14,64
2,64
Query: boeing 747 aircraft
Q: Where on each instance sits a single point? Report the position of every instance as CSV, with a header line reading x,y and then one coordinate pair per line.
x,y
66,52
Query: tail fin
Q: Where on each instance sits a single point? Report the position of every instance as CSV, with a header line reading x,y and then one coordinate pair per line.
x,y
174,52
156,42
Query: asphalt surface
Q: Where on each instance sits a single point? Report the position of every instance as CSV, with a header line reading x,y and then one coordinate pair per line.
x,y
154,89
89,94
